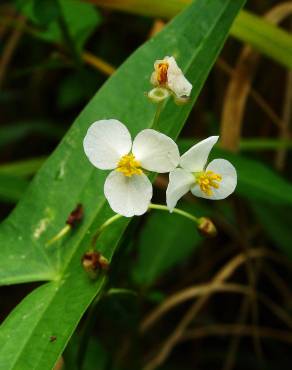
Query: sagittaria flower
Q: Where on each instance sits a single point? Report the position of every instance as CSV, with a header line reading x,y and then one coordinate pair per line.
x,y
168,75
108,146
217,180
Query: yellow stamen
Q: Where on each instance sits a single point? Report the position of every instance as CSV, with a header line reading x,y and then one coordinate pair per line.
x,y
129,166
162,73
208,180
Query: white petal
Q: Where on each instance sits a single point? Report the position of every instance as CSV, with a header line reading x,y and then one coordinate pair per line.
x,y
196,157
106,142
176,80
155,151
128,196
226,186
180,182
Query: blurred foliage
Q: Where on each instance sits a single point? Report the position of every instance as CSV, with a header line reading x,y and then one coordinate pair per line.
x,y
54,56
63,21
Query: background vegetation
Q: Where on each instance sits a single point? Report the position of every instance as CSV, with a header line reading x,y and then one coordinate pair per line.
x,y
171,299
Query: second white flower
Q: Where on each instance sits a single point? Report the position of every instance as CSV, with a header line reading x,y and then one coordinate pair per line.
x,y
214,181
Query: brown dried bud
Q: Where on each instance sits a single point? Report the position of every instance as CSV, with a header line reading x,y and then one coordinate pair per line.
x,y
93,262
75,216
206,227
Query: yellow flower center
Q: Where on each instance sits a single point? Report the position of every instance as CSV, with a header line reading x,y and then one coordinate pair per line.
x,y
162,73
208,180
129,166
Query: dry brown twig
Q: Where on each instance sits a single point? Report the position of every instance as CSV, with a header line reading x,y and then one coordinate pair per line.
x,y
175,336
287,117
248,304
188,294
254,94
240,85
235,329
225,273
279,283
10,47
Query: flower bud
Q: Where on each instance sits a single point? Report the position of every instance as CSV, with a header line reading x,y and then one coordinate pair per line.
x,y
93,262
158,94
206,227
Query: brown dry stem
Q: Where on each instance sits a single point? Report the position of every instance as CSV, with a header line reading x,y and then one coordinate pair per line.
x,y
240,85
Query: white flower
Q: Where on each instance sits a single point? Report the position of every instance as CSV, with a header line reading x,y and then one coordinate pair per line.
x,y
167,74
215,181
108,146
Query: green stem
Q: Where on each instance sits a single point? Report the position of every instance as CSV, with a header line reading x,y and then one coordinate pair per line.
x,y
159,207
175,210
157,114
60,235
107,223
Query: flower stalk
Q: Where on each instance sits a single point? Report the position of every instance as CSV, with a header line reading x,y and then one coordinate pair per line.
x,y
157,115
152,206
74,218
178,211
107,223
65,230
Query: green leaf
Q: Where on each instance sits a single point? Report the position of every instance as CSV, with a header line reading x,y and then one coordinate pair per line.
x,y
268,39
262,35
45,11
70,94
96,356
80,19
166,240
23,168
20,130
256,181
277,223
258,144
67,178
11,188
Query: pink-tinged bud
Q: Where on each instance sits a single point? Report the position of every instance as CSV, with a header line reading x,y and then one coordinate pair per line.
x,y
206,227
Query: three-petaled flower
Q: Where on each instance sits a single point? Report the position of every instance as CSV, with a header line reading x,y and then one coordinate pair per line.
x,y
215,181
168,75
108,146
